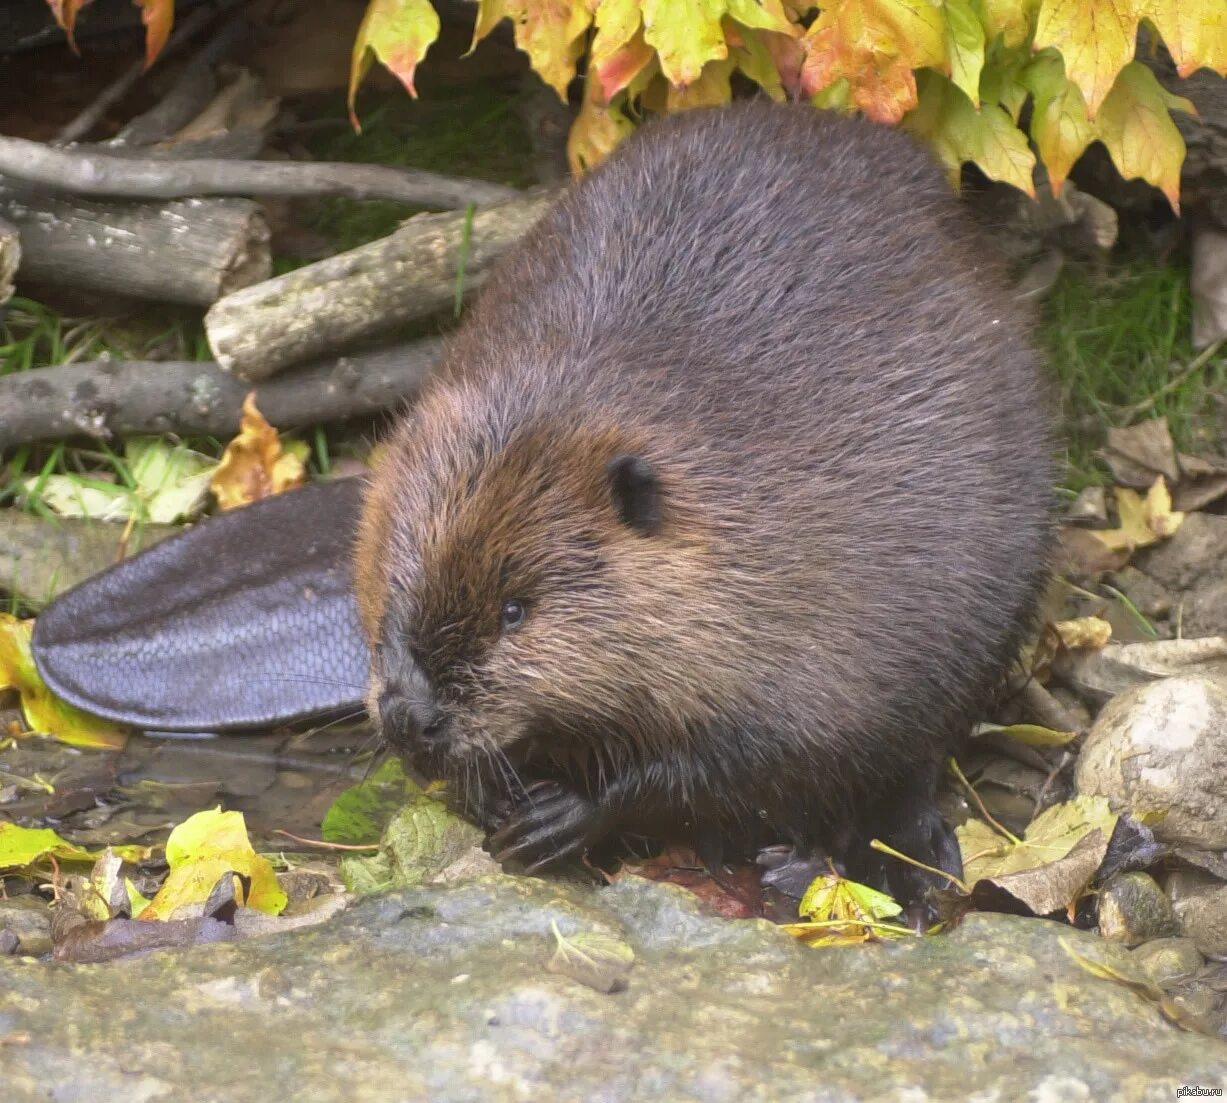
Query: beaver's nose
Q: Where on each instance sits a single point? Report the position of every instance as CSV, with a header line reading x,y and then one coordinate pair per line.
x,y
409,714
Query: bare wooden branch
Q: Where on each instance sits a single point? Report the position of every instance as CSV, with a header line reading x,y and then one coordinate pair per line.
x,y
191,91
101,174
108,397
189,251
327,306
10,256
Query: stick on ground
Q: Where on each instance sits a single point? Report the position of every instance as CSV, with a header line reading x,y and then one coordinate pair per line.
x,y
106,175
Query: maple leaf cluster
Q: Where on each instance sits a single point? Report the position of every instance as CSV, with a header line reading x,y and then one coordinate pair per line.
x,y
958,73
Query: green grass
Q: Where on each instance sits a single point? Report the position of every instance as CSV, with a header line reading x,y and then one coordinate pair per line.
x,y
466,131
35,336
1119,347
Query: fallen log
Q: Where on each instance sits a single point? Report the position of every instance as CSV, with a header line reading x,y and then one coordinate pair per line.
x,y
40,558
105,398
10,257
107,175
189,251
327,306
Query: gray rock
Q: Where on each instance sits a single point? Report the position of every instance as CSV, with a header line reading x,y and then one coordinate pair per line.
x,y
1162,747
1169,961
440,993
1133,909
29,918
1192,552
1200,903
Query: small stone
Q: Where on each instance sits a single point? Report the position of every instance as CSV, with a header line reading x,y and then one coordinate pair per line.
x,y
1169,961
1195,551
29,918
1133,909
1162,748
1200,904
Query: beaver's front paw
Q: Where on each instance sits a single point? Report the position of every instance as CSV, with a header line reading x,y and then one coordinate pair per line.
x,y
550,824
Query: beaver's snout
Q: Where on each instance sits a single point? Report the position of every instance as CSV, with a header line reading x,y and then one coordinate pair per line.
x,y
409,714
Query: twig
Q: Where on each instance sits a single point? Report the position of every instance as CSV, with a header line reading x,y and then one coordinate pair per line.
x,y
189,94
100,174
1176,382
115,91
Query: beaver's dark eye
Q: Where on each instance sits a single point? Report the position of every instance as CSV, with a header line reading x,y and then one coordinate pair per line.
x,y
513,615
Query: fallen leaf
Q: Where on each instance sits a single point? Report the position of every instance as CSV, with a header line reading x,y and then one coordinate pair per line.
x,y
255,464
601,962
170,483
21,847
1139,454
1049,867
840,912
1143,521
1084,632
422,841
202,850
360,814
43,711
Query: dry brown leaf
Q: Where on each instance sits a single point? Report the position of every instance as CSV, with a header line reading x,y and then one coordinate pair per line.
x,y
255,464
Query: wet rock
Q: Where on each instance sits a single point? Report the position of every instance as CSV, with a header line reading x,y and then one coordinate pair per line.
x,y
441,993
1162,747
1133,909
1150,597
1169,961
29,919
1200,904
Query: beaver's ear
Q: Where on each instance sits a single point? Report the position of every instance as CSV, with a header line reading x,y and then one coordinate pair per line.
x,y
636,493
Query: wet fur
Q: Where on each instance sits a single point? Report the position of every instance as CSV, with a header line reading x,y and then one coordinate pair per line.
x,y
788,317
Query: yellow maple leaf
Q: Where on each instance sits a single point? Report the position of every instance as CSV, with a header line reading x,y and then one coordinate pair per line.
x,y
1141,138
1059,122
1096,38
1194,31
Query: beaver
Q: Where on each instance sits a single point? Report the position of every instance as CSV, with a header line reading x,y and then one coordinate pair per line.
x,y
726,509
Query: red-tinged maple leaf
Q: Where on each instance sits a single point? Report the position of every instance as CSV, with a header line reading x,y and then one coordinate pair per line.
x,y
551,32
158,17
597,129
1096,38
65,12
398,33
875,45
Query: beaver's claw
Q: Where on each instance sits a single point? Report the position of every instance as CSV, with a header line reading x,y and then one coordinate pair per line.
x,y
550,824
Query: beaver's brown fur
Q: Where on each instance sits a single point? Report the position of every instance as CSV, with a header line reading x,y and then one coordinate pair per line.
x,y
727,507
